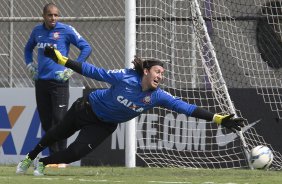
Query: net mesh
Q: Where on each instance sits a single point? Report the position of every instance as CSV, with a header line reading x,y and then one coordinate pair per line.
x,y
209,46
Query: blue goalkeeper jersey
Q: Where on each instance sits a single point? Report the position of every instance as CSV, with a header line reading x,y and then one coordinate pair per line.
x,y
60,37
125,99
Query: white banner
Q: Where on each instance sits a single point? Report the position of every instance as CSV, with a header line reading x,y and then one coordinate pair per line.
x,y
20,127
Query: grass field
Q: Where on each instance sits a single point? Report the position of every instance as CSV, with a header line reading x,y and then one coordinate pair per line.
x,y
83,175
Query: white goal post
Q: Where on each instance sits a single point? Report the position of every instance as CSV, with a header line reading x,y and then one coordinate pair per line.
x,y
130,52
208,48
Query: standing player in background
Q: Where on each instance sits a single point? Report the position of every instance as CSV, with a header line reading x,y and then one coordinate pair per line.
x,y
51,79
97,115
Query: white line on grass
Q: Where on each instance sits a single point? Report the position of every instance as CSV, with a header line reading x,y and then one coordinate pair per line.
x,y
167,182
45,178
80,180
5,177
86,180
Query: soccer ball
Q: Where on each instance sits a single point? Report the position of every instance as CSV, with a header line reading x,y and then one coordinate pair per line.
x,y
261,157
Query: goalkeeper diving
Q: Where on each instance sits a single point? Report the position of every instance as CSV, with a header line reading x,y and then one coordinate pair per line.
x,y
97,115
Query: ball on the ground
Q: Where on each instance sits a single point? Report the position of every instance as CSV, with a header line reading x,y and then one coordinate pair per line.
x,y
261,157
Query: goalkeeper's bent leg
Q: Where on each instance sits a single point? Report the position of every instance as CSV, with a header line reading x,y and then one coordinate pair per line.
x,y
60,132
88,139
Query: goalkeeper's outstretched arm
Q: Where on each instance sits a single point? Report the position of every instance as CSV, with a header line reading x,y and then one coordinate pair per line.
x,y
54,54
228,121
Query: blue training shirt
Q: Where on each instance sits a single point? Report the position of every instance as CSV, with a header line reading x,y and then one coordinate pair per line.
x,y
125,99
60,37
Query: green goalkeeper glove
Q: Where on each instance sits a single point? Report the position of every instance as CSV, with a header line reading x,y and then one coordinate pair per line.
x,y
33,71
54,54
229,122
63,76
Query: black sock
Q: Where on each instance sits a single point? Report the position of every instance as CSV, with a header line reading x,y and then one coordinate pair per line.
x,y
33,154
43,161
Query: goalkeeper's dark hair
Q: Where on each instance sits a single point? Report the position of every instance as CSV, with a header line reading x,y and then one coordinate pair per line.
x,y
140,65
45,8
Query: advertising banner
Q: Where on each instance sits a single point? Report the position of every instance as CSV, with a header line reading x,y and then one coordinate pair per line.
x,y
20,127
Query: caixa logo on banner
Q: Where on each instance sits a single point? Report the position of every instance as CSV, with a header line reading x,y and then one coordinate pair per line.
x,y
30,135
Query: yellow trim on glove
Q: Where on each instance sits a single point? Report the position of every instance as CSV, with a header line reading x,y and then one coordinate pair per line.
x,y
218,118
61,59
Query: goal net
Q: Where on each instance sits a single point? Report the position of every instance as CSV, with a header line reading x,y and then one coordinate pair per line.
x,y
209,47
